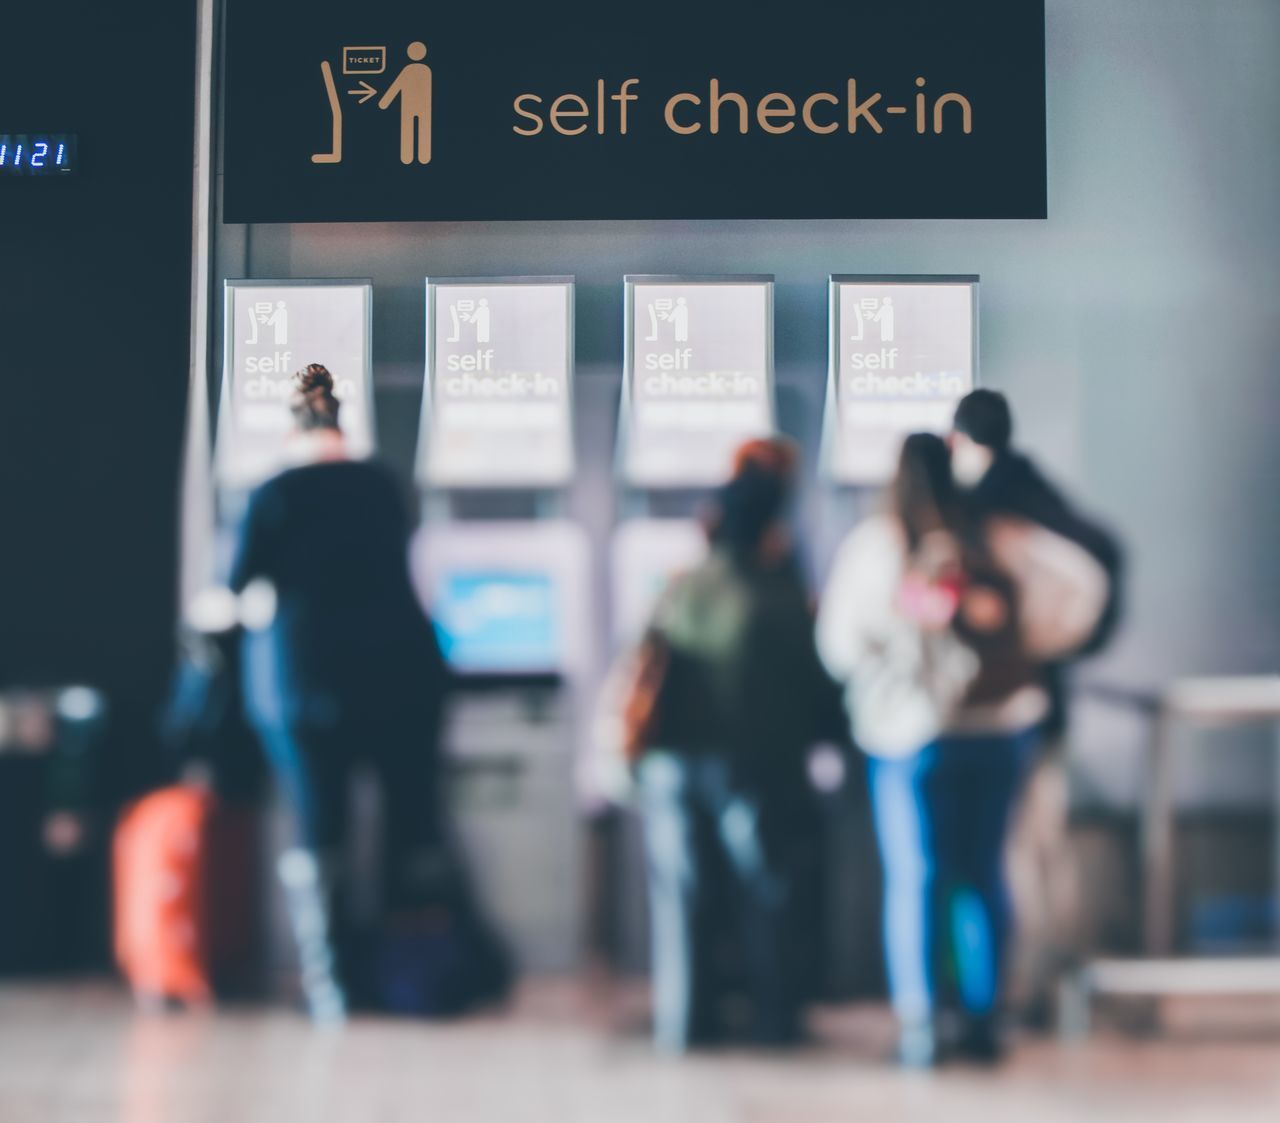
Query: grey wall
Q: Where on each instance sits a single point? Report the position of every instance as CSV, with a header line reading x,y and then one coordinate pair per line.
x,y
1135,330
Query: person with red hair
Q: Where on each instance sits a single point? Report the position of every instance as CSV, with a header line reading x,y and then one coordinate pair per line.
x,y
724,765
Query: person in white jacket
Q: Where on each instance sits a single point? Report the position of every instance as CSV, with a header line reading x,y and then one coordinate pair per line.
x,y
939,624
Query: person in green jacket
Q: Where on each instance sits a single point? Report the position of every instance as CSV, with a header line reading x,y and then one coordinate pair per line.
x,y
727,774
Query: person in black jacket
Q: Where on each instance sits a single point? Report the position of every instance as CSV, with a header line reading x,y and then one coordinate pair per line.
x,y
998,480
347,668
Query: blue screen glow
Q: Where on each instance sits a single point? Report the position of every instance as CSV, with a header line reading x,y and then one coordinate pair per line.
x,y
498,622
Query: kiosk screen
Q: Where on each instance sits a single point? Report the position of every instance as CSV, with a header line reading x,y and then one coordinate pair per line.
x,y
498,622
506,596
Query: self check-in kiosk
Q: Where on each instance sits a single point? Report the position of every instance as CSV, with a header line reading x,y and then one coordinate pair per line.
x,y
506,576
508,601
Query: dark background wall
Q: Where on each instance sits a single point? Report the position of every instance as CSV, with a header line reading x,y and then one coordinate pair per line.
x,y
94,311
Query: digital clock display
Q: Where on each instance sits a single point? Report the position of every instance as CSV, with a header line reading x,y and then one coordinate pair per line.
x,y
37,154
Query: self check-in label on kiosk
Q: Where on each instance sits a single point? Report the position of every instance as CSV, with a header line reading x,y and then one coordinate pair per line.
x,y
699,376
499,370
904,352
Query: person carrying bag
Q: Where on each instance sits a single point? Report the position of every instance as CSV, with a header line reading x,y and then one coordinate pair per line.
x,y
941,626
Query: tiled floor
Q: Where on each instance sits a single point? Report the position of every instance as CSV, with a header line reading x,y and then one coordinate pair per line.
x,y
79,1054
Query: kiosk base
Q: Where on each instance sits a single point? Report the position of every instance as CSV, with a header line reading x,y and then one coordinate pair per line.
x,y
511,759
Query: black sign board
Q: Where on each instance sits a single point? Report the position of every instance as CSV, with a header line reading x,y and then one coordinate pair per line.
x,y
395,110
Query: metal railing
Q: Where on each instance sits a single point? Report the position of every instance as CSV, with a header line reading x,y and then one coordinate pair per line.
x,y
1203,702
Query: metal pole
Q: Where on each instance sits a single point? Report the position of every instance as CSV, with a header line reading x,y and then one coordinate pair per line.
x,y
1158,840
196,518
1275,837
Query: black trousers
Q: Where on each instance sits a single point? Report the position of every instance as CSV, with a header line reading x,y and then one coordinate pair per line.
x,y
313,767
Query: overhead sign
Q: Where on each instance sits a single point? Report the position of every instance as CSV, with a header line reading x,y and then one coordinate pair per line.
x,y
903,353
272,329
391,110
698,378
496,406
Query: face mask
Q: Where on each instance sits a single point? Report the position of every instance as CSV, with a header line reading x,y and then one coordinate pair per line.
x,y
969,462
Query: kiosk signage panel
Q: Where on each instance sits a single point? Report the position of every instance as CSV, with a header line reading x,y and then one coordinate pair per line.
x,y
903,353
496,410
271,330
699,376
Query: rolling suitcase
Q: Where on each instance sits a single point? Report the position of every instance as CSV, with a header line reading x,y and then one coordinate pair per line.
x,y
162,887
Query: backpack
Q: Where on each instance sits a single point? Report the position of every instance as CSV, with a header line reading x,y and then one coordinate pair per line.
x,y
1015,486
641,708
440,960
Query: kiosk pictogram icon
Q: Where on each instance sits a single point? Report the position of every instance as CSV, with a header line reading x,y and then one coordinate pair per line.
x,y
412,88
475,313
263,314
668,311
873,310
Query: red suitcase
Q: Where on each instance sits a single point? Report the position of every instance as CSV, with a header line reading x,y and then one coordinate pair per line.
x,y
162,889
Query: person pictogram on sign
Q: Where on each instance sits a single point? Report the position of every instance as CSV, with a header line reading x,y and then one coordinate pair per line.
x,y
413,88
884,317
679,317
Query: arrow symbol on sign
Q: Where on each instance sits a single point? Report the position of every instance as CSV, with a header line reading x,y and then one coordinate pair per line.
x,y
364,92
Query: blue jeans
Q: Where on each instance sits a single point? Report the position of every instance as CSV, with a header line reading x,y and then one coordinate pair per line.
x,y
941,817
691,802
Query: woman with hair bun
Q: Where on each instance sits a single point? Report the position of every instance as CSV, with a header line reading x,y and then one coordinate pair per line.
x,y
313,404
348,668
